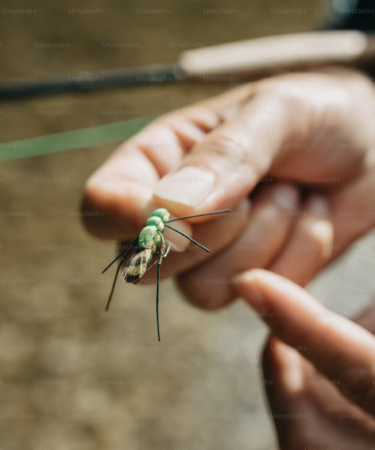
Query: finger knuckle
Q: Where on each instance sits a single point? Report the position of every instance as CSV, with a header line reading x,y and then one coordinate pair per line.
x,y
298,440
284,91
202,116
199,292
230,148
357,383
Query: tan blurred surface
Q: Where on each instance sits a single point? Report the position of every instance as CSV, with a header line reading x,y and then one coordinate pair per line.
x,y
73,377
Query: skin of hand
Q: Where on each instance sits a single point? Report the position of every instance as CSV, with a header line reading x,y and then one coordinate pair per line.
x,y
319,367
253,149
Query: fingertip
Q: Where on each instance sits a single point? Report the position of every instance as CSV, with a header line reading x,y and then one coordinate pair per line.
x,y
269,293
251,279
283,363
249,286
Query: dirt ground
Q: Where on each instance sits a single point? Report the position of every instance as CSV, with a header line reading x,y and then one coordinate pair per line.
x,y
73,377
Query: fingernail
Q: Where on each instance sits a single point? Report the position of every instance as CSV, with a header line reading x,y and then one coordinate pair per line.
x,y
292,372
189,186
318,205
285,196
177,242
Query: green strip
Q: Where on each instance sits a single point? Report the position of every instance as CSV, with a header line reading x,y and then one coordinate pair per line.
x,y
70,140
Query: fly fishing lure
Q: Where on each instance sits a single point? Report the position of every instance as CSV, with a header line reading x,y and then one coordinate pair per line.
x,y
145,246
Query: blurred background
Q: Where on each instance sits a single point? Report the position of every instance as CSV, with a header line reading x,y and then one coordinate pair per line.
x,y
73,377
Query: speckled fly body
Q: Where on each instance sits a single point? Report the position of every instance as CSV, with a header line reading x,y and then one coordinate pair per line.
x,y
145,246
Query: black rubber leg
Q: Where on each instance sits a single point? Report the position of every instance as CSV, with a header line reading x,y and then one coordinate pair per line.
x,y
114,281
134,242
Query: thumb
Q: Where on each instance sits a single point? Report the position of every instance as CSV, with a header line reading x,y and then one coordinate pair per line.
x,y
224,167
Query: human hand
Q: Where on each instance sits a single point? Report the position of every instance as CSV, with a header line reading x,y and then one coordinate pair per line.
x,y
319,367
310,129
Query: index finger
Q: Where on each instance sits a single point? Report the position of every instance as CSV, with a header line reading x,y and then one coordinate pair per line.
x,y
339,348
118,196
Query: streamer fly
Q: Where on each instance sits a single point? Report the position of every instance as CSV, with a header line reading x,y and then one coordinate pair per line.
x,y
143,248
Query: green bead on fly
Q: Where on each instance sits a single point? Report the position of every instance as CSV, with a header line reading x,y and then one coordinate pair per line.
x,y
145,246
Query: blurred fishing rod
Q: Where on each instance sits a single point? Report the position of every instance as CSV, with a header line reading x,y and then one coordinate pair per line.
x,y
249,59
